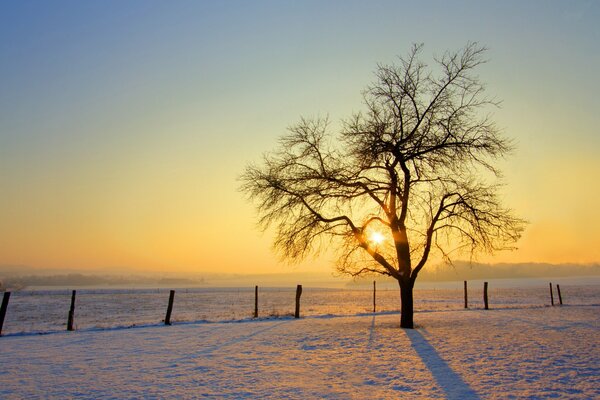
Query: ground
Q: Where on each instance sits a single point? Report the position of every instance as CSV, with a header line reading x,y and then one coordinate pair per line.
x,y
545,352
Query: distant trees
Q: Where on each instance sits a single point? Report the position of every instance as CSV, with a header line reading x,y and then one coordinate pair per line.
x,y
411,175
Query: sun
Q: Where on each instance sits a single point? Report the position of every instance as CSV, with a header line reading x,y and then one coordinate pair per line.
x,y
376,237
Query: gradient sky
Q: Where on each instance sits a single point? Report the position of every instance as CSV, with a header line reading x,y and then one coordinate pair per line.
x,y
124,124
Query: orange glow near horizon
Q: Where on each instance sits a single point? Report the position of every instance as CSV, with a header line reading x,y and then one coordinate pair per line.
x,y
121,139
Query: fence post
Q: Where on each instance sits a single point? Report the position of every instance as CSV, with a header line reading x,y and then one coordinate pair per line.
x,y
71,312
551,295
169,308
256,301
559,296
485,296
374,297
298,294
3,309
466,298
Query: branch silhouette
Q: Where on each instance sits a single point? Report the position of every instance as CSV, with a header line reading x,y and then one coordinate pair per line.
x,y
417,164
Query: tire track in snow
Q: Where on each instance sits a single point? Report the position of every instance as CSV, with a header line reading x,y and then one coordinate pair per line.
x,y
372,373
207,351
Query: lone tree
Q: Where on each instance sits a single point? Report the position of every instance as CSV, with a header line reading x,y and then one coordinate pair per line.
x,y
411,175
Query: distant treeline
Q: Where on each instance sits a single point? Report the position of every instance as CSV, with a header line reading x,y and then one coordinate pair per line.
x,y
76,279
464,270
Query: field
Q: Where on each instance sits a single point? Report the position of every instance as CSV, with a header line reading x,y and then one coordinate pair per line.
x,y
535,352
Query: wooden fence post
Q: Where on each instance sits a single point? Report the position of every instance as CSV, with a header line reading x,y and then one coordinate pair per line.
x,y
71,312
559,296
466,298
485,296
298,294
374,296
3,309
256,301
551,295
169,308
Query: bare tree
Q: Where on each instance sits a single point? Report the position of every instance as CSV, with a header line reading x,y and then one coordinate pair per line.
x,y
411,175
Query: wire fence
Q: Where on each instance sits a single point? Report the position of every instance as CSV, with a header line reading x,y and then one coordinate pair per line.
x,y
47,311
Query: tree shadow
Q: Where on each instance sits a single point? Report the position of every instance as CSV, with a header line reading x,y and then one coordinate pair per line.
x,y
448,380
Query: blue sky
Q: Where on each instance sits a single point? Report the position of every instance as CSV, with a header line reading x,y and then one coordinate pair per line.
x,y
124,124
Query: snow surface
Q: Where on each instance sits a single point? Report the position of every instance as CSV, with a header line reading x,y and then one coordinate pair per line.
x,y
544,352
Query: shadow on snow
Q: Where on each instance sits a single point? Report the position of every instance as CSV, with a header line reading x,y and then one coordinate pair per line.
x,y
448,380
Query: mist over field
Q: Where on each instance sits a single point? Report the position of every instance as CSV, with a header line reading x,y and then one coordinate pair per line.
x,y
30,277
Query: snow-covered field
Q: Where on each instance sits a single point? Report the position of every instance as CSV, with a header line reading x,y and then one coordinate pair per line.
x,y
43,311
538,352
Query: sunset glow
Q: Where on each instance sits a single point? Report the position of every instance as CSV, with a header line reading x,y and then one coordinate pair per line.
x,y
124,126
376,237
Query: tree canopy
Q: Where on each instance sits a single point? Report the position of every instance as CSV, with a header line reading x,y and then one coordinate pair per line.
x,y
412,174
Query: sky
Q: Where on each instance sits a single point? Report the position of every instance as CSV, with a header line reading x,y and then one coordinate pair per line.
x,y
125,124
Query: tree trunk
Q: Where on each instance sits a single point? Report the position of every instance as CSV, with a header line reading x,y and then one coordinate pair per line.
x,y
406,306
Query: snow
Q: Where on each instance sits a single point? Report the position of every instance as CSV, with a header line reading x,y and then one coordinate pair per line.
x,y
46,311
543,352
